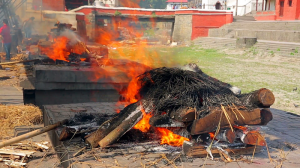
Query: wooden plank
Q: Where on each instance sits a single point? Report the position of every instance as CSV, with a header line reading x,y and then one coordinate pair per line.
x,y
17,152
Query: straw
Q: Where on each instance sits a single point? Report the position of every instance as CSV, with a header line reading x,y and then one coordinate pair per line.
x,y
12,116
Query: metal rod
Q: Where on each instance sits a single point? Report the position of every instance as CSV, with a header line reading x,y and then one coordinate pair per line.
x,y
236,7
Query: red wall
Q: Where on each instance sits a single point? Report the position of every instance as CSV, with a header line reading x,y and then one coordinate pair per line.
x,y
202,23
289,12
201,20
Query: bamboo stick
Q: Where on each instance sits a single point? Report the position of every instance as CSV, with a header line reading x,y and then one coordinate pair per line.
x,y
32,134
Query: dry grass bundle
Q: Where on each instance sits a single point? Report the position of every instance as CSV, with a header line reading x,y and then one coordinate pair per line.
x,y
17,115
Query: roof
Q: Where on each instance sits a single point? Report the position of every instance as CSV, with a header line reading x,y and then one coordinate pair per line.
x,y
178,1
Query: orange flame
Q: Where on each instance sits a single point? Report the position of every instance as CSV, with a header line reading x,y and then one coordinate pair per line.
x,y
168,137
144,125
139,60
58,51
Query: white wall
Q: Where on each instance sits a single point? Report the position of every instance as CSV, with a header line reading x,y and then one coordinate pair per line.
x,y
246,6
111,3
210,4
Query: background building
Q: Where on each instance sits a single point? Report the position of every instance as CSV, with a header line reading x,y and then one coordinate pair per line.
x,y
176,4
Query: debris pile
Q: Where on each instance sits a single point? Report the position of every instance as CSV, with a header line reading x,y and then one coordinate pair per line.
x,y
18,155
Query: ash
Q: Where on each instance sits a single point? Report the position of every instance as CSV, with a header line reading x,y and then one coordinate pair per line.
x,y
86,118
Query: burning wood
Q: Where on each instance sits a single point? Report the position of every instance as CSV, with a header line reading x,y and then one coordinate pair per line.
x,y
191,100
130,115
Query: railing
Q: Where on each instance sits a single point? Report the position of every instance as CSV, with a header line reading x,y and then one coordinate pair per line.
x,y
259,6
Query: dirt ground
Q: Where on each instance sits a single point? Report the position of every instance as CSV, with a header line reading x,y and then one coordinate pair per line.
x,y
278,73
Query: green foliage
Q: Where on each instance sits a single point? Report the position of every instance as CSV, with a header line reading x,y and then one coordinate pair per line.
x,y
253,50
278,49
296,50
272,52
154,14
117,13
155,4
292,54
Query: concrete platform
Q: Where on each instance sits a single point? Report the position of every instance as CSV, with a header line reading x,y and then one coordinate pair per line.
x,y
57,84
282,135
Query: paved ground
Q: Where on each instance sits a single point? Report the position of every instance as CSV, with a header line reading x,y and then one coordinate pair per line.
x,y
12,95
282,135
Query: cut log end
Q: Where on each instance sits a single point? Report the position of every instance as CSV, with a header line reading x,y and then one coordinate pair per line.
x,y
266,97
266,116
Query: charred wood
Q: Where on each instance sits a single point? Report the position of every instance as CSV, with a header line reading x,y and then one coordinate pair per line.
x,y
184,115
165,121
226,135
110,125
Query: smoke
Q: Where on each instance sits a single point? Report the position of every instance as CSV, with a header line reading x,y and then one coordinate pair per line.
x,y
72,36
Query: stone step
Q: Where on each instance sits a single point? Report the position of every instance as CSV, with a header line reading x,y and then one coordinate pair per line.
x,y
243,18
271,25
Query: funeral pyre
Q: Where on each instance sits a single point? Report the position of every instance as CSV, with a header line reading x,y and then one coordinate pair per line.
x,y
184,107
62,45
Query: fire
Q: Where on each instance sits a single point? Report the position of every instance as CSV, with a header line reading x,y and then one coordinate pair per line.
x,y
241,128
168,137
139,60
58,50
144,125
211,135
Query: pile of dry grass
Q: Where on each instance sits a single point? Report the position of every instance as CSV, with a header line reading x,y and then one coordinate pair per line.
x,y
17,115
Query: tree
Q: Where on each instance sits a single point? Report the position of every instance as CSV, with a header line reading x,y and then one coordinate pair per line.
x,y
155,4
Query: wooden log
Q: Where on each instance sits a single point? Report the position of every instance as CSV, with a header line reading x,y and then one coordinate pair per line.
x,y
262,98
197,150
184,115
210,122
16,62
266,116
226,135
66,133
165,121
32,134
130,121
251,137
110,125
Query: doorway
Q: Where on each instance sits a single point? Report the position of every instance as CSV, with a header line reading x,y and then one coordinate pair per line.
x,y
218,6
281,8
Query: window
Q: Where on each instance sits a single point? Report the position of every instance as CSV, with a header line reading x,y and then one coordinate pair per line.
x,y
290,2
